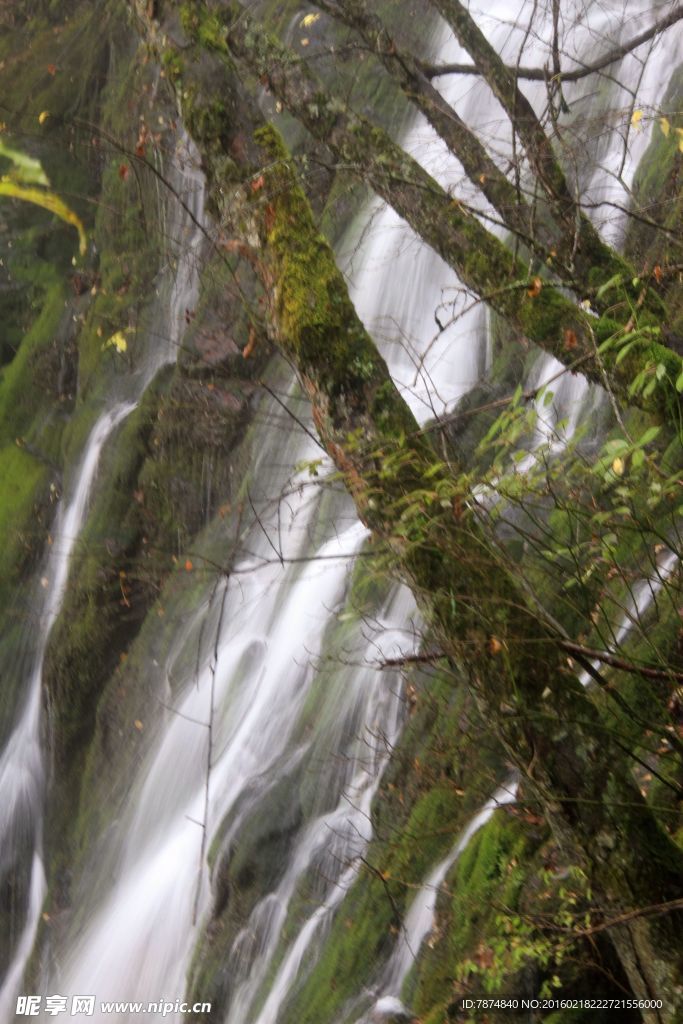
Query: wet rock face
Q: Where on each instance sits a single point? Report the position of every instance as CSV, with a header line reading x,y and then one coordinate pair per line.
x,y
215,346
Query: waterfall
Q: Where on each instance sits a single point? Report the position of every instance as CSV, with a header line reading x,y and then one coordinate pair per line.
x,y
640,599
22,770
241,674
256,658
419,920
350,821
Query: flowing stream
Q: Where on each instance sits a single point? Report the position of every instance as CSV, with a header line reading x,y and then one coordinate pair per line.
x,y
22,768
256,672
419,920
240,720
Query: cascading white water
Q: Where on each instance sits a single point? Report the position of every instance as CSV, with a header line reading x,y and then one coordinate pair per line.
x,y
22,770
343,834
419,920
640,599
136,945
604,172
135,940
21,767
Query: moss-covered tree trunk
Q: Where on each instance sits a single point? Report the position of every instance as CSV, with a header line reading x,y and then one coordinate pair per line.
x,y
565,748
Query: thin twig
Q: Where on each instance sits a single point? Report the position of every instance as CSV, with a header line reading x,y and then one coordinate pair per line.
x,y
649,671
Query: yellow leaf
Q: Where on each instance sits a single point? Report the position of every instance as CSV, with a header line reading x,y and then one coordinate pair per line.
x,y
680,144
43,116
636,118
618,467
49,201
310,19
664,125
116,341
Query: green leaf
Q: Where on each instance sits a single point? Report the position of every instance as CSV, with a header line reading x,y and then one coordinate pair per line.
x,y
604,288
27,169
613,447
623,352
649,435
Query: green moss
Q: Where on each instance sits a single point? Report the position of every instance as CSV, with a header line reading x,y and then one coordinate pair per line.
x,y
503,926
316,320
363,935
125,231
487,878
22,382
24,480
98,604
30,424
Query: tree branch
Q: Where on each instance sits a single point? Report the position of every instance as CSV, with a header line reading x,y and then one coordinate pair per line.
x,y
575,74
648,671
579,237
462,142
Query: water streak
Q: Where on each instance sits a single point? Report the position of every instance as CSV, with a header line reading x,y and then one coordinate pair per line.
x,y
22,770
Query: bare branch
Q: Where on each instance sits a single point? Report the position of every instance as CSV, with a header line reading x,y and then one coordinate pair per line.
x,y
575,74
648,671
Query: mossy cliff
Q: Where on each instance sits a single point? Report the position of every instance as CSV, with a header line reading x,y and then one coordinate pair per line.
x,y
43,298
108,128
